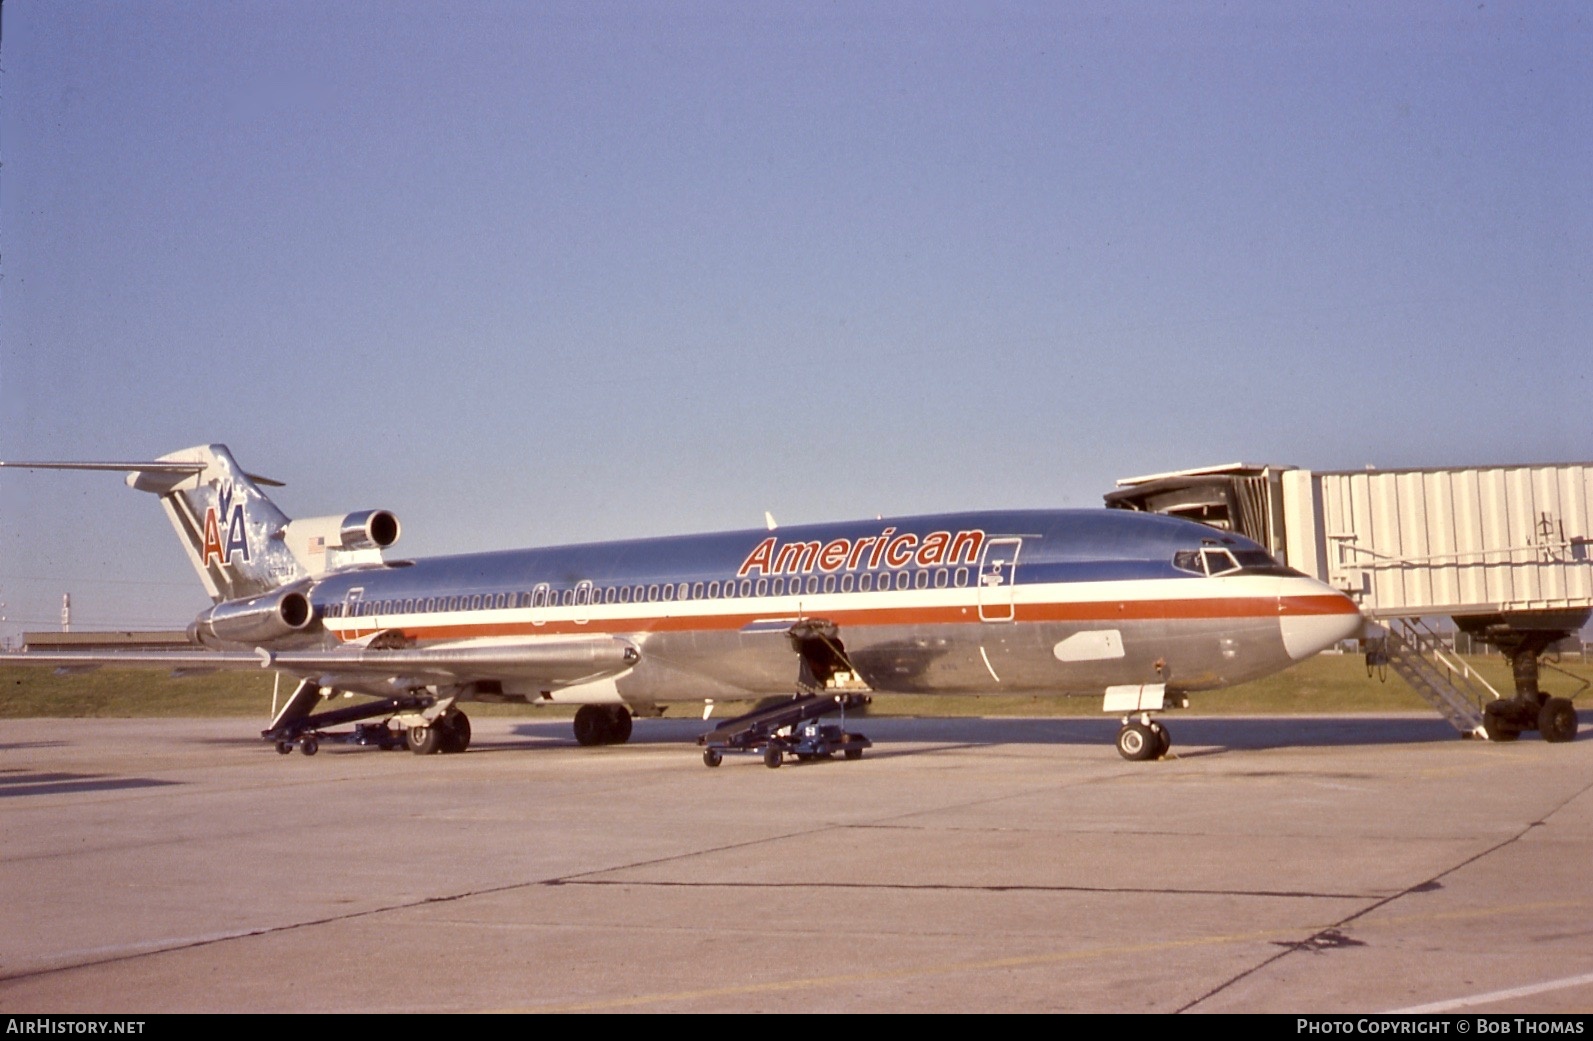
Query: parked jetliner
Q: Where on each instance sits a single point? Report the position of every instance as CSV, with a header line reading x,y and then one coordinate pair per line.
x,y
1137,608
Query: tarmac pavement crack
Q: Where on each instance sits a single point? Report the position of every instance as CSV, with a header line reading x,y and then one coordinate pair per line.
x,y
369,912
952,887
1332,936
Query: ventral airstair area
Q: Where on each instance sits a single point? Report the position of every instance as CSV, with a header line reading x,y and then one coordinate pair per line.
x,y
1504,551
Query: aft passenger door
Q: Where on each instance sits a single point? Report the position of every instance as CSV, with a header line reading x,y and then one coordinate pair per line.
x,y
353,602
998,573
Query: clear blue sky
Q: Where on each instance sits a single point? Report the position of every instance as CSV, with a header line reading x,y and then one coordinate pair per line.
x,y
548,272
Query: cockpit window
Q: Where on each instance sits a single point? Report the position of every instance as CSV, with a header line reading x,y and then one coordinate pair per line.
x,y
1217,560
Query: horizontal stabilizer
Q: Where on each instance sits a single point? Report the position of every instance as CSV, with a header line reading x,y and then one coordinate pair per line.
x,y
154,466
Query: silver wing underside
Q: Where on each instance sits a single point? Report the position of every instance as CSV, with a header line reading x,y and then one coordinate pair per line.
x,y
550,663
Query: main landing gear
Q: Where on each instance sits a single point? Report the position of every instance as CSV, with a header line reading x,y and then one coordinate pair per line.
x,y
1143,739
419,719
602,725
449,734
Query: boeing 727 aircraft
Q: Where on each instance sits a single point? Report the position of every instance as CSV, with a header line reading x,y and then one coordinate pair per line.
x,y
1136,608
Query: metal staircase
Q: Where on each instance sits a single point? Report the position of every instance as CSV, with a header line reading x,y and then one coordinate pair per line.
x,y
1442,678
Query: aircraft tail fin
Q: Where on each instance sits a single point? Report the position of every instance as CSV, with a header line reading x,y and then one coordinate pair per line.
x,y
233,533
236,538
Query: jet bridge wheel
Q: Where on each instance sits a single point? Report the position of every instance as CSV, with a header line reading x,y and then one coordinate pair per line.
x,y
1138,742
1497,723
1557,720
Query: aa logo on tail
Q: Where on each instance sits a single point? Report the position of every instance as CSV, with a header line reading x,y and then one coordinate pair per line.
x,y
225,510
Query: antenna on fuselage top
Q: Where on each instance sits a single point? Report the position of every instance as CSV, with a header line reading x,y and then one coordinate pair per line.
x,y
768,519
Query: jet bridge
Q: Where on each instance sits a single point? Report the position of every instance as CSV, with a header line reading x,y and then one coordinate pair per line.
x,y
1505,551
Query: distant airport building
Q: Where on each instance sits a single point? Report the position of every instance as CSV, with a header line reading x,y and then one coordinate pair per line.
x,y
121,640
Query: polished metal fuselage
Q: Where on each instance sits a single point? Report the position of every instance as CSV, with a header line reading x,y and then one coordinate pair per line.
x,y
1034,602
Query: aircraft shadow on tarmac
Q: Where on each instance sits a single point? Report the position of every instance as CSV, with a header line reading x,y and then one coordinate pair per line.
x,y
1191,736
19,783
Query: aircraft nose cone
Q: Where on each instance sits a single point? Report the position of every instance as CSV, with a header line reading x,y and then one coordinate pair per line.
x,y
1313,617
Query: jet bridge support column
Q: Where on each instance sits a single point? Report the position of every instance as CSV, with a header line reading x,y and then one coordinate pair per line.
x,y
1522,639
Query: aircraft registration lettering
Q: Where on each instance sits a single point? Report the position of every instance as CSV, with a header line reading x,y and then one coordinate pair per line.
x,y
934,549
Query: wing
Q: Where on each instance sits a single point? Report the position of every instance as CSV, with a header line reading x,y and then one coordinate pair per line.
x,y
549,663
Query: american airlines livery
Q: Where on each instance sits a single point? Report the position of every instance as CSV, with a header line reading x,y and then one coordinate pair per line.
x,y
1136,608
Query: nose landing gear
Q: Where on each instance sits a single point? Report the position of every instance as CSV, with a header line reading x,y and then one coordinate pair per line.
x,y
1143,739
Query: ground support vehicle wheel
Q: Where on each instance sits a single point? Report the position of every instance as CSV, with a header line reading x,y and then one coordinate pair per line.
x,y
772,757
712,757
